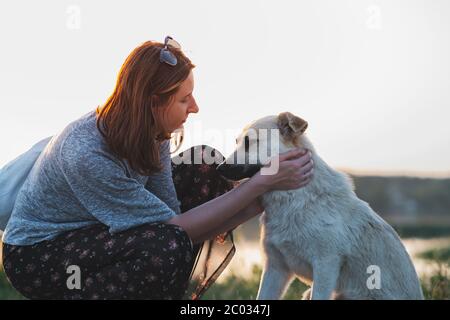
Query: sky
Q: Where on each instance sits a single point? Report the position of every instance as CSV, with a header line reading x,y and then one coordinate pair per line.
x,y
372,78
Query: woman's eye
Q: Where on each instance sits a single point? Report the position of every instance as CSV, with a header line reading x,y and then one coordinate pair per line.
x,y
185,99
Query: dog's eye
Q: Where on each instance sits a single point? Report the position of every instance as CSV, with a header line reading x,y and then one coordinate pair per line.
x,y
247,143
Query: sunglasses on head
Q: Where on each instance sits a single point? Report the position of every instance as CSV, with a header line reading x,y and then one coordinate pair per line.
x,y
167,56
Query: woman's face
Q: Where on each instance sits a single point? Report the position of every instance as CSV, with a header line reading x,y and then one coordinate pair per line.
x,y
183,104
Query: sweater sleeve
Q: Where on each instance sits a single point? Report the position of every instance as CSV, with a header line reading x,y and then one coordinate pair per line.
x,y
161,184
100,183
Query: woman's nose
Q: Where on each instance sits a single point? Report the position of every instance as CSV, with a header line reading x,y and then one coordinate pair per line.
x,y
193,108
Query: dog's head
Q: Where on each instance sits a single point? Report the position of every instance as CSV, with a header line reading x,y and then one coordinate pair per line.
x,y
260,140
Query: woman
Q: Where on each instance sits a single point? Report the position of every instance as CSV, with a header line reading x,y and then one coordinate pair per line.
x,y
104,200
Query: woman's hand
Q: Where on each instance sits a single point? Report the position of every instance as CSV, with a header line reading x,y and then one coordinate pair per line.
x,y
295,170
221,214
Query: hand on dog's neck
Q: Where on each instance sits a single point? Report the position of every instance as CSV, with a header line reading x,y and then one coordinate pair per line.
x,y
325,180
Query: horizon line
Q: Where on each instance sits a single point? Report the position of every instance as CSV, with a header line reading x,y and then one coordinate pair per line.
x,y
397,173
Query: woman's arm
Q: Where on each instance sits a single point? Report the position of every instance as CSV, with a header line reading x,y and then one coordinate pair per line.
x,y
295,169
247,213
211,215
161,183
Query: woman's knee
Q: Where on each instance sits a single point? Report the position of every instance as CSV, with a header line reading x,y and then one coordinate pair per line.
x,y
166,241
196,178
179,238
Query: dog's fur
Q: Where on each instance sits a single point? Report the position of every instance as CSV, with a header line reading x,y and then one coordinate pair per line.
x,y
322,233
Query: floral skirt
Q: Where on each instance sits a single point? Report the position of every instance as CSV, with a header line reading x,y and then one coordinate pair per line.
x,y
151,261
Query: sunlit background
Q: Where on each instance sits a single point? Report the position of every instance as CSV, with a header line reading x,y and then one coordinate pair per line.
x,y
372,78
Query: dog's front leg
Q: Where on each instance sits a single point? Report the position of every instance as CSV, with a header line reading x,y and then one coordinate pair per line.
x,y
325,276
274,281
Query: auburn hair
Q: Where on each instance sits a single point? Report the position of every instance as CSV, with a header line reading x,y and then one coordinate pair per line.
x,y
128,120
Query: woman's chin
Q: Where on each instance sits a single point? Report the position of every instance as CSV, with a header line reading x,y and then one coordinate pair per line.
x,y
180,127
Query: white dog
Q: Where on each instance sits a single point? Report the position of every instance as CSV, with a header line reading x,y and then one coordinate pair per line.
x,y
321,233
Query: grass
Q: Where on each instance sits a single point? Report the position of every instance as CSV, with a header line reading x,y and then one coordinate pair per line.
x,y
438,286
441,255
238,288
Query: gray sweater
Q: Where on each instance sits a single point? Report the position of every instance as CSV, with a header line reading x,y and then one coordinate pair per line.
x,y
77,182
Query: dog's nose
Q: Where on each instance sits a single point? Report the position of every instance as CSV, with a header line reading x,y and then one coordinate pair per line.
x,y
229,171
220,167
223,168
237,171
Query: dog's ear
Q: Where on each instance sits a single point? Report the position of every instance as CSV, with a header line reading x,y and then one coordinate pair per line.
x,y
290,124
